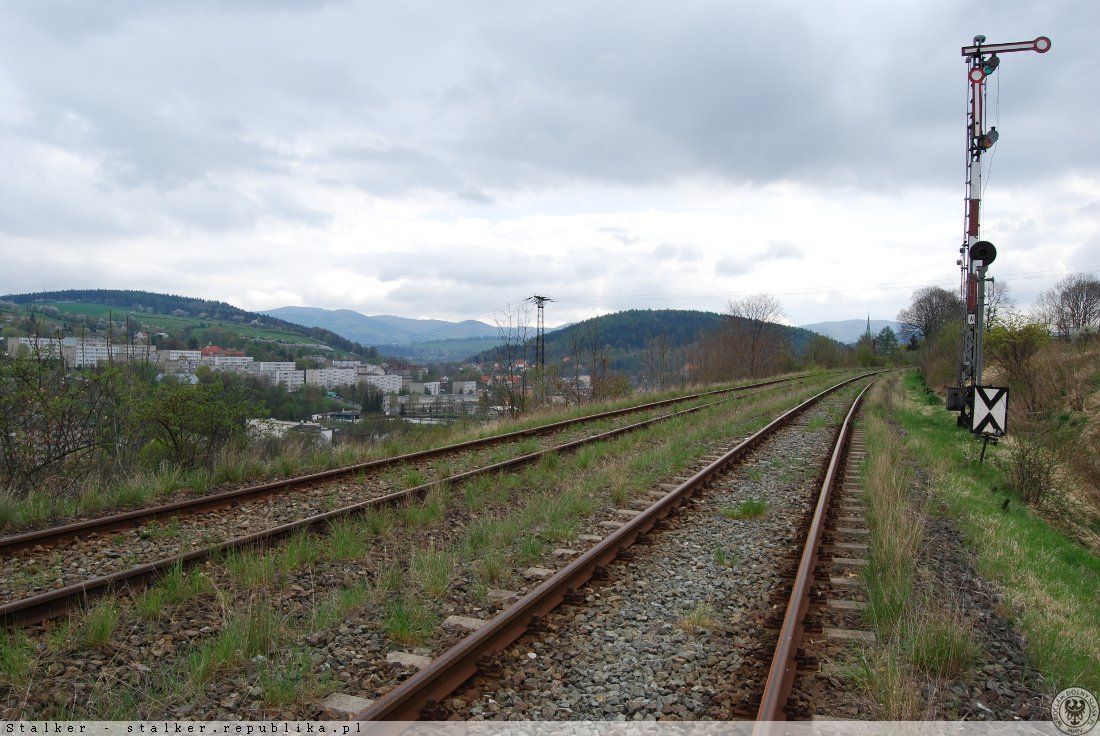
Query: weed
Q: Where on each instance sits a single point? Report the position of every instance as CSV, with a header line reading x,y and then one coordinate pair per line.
x,y
291,680
98,624
408,621
250,569
489,568
347,540
724,558
531,549
300,551
750,509
702,616
431,570
15,657
413,477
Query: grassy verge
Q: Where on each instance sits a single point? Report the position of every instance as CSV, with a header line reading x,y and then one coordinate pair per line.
x,y
243,465
1051,582
924,638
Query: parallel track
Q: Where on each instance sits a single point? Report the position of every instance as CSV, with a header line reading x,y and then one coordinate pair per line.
x,y
47,605
54,535
422,692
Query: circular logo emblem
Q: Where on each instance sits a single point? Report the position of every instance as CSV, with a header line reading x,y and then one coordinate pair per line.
x,y
1074,711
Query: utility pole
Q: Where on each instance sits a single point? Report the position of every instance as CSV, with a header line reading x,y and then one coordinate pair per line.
x,y
540,329
975,255
540,341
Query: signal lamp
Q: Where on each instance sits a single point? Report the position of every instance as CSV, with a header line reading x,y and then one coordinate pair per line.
x,y
991,64
986,141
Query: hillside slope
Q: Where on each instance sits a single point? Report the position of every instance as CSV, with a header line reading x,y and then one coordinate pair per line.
x,y
383,329
624,335
850,330
185,319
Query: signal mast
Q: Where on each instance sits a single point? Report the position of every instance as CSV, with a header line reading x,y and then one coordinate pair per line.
x,y
982,60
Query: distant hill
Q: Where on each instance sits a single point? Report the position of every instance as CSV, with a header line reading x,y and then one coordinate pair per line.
x,y
384,329
184,319
850,330
624,335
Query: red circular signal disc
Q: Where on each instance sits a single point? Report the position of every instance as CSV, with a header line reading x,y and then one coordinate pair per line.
x,y
1042,44
976,74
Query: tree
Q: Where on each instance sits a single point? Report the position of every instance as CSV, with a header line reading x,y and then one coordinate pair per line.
x,y
1072,306
190,425
886,342
930,309
508,388
758,314
821,351
998,302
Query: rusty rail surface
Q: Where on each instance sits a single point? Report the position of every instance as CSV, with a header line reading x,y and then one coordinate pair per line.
x,y
47,605
447,672
777,688
125,519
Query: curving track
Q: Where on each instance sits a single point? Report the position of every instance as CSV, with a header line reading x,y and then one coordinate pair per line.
x,y
487,654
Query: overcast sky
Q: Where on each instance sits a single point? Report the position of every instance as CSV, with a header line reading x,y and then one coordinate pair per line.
x,y
447,159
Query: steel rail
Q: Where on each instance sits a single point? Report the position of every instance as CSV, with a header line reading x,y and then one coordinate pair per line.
x,y
125,519
444,674
781,674
47,605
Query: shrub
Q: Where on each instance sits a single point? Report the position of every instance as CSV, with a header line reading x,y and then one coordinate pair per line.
x,y
1030,466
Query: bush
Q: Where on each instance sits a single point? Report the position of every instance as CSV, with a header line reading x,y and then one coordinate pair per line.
x,y
1030,468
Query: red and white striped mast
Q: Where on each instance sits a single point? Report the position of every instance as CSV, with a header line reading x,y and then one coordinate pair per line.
x,y
982,59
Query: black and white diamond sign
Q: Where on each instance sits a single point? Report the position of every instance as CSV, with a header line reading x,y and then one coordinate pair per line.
x,y
990,410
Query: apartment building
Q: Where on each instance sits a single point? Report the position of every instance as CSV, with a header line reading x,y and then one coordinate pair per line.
x,y
331,377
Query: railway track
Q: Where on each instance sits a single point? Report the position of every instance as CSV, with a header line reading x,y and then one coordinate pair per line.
x,y
96,546
537,662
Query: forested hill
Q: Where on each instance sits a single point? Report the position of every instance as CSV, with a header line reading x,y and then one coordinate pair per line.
x,y
150,303
624,335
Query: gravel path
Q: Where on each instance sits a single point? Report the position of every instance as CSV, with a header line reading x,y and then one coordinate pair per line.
x,y
39,569
665,636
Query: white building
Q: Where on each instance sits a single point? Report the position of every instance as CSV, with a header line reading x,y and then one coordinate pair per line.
x,y
45,347
330,377
186,355
387,384
90,353
229,362
291,380
273,366
345,364
368,369
464,388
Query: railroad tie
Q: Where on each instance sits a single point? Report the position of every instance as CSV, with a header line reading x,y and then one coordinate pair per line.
x,y
850,635
343,707
589,538
845,605
408,659
610,524
628,512
463,623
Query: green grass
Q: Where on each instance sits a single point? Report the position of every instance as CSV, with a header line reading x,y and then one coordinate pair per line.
x,y
174,588
431,569
725,558
15,657
409,621
1049,578
252,569
751,509
98,625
